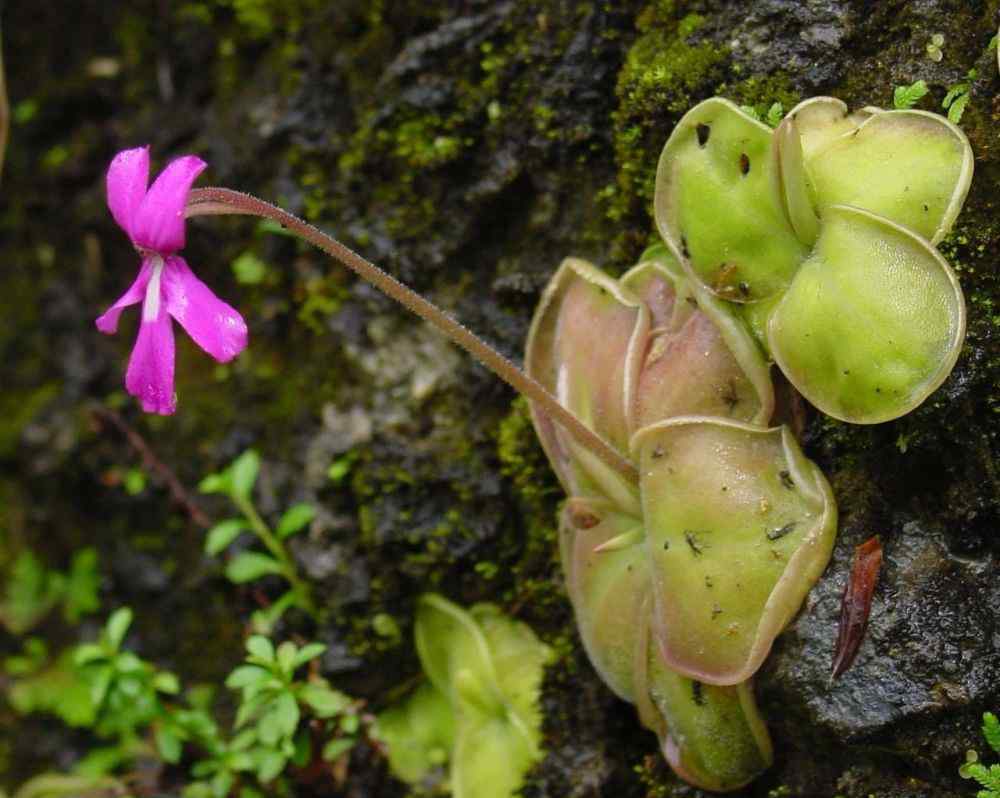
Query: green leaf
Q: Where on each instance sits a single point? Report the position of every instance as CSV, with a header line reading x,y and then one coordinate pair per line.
x,y
99,680
907,96
243,473
817,332
216,483
336,748
250,565
134,481
341,467
418,732
261,647
248,710
82,586
249,269
349,723
117,626
775,114
286,714
246,675
953,93
286,657
324,701
991,730
243,740
269,764
61,689
957,108
127,662
222,534
222,783
717,199
169,745
263,620
295,519
85,653
308,652
31,592
166,682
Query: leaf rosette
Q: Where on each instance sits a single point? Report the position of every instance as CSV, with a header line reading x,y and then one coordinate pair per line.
x,y
823,230
644,361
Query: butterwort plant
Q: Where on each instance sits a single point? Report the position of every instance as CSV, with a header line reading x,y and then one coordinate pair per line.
x,y
695,525
153,218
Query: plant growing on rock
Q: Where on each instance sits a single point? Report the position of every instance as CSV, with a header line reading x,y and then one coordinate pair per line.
x,y
823,231
988,777
666,619
287,716
695,526
237,482
479,709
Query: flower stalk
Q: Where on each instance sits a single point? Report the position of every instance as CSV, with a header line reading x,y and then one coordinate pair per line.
x,y
222,201
277,550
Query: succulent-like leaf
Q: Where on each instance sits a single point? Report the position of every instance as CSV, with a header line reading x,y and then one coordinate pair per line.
x,y
607,587
912,167
699,359
419,733
489,668
718,207
715,737
519,659
448,641
712,736
820,120
792,184
872,323
490,758
739,525
584,346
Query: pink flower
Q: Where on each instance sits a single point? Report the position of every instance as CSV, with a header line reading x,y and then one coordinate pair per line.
x,y
154,221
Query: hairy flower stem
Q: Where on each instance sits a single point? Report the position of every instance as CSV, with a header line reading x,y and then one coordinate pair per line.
x,y
217,201
278,551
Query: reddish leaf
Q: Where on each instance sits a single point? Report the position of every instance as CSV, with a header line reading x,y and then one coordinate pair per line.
x,y
856,604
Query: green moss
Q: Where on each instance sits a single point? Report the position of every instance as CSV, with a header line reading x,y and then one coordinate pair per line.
x,y
664,74
761,93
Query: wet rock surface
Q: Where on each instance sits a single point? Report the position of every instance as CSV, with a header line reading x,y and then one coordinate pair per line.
x,y
467,147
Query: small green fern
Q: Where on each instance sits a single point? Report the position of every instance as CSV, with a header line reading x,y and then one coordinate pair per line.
x,y
991,730
988,777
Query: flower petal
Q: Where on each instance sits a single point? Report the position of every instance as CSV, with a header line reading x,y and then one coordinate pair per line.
x,y
150,375
127,178
215,326
158,223
107,322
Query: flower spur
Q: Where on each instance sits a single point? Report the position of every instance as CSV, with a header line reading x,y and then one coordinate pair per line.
x,y
153,218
